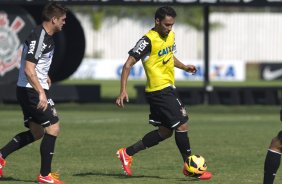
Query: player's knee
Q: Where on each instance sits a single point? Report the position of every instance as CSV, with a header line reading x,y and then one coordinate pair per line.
x,y
166,135
53,129
276,144
37,133
273,142
279,136
165,132
183,127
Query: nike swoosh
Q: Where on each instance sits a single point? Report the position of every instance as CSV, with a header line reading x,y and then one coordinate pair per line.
x,y
123,158
270,75
165,62
49,181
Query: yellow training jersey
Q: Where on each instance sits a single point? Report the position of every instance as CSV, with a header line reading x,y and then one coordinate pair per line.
x,y
156,54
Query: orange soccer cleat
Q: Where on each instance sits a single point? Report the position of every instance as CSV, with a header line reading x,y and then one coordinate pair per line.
x,y
51,178
126,161
2,165
205,176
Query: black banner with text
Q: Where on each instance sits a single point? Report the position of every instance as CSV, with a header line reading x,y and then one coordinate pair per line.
x,y
271,71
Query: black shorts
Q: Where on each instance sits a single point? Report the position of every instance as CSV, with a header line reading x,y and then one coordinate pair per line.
x,y
28,99
166,108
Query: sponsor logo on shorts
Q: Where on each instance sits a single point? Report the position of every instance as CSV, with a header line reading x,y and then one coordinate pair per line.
x,y
54,111
183,111
51,102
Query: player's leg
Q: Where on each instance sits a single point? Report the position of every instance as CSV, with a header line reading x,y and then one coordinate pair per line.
x,y
19,141
183,144
182,141
49,122
24,138
152,138
149,140
272,159
179,119
47,148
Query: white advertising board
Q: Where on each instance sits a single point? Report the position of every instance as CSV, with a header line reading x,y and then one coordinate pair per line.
x,y
227,70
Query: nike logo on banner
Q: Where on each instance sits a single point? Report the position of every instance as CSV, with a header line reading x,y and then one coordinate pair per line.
x,y
267,74
165,61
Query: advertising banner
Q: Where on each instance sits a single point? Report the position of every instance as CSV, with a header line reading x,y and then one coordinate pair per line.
x,y
271,71
228,70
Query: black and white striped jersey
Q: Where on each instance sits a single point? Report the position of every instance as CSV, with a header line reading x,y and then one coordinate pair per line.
x,y
39,49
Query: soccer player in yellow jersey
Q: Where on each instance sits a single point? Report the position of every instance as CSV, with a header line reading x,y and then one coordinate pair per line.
x,y
156,50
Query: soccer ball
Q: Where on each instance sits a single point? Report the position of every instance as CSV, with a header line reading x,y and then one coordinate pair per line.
x,y
195,164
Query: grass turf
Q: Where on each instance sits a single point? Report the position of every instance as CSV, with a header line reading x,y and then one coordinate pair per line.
x,y
111,88
233,139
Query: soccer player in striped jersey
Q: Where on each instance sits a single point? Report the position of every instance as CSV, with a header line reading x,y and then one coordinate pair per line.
x,y
40,116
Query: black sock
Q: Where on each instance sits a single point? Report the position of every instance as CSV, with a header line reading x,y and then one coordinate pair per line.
x,y
271,165
47,148
20,140
150,139
183,144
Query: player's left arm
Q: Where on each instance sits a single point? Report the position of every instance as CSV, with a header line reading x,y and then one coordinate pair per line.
x,y
187,68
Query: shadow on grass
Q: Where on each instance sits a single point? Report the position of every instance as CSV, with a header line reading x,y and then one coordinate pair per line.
x,y
122,176
16,179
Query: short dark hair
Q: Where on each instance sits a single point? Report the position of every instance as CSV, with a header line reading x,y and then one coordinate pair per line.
x,y
165,11
53,10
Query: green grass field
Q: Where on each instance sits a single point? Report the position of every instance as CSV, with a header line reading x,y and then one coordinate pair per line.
x,y
233,139
111,88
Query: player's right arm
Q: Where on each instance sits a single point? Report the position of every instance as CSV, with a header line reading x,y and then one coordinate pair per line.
x,y
124,76
141,49
34,82
32,57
